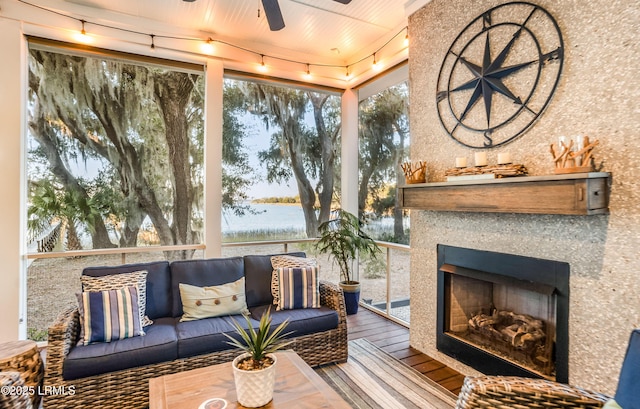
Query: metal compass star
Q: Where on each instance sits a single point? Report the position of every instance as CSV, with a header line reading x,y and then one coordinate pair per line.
x,y
488,77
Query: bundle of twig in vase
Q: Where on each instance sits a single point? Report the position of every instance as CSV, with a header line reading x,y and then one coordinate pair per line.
x,y
568,158
415,172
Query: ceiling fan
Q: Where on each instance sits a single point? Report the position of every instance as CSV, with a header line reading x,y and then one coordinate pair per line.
x,y
274,15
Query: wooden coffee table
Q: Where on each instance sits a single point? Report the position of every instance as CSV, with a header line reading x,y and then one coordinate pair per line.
x,y
297,386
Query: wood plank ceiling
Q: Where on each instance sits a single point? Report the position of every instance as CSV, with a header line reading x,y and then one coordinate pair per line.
x,y
318,31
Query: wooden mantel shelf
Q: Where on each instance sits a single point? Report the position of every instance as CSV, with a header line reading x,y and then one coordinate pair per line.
x,y
573,194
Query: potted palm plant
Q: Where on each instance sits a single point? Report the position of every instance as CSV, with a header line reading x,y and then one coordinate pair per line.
x,y
342,239
254,371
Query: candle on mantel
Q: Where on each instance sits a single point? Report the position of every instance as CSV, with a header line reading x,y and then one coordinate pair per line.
x,y
480,158
461,162
504,158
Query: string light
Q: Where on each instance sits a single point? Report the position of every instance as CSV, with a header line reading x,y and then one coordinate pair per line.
x,y
307,75
82,35
262,67
406,39
207,46
376,65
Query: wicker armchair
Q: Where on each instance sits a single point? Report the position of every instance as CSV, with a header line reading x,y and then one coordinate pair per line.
x,y
514,392
502,392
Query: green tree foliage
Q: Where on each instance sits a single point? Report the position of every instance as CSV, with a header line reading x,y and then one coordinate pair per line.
x,y
383,134
50,202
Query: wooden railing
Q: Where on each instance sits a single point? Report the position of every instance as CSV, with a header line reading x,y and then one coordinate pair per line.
x,y
123,251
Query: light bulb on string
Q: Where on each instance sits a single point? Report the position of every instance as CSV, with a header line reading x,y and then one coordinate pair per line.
x,y
406,39
348,74
376,66
307,74
153,44
82,36
262,67
207,46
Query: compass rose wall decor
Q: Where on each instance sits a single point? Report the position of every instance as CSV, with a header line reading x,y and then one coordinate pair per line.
x,y
499,75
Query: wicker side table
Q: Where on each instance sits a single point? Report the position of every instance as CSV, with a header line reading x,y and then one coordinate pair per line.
x,y
11,400
23,357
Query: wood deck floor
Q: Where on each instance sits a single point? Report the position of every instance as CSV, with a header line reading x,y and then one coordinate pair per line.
x,y
394,339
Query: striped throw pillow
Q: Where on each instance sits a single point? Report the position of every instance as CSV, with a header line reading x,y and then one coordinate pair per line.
x,y
109,315
284,261
117,281
298,288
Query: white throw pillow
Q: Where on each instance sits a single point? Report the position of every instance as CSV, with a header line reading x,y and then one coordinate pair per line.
x,y
213,301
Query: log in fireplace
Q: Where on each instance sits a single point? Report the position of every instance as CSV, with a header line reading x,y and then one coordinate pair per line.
x,y
504,314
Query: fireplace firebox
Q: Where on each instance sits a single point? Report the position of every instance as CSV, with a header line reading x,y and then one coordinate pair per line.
x,y
504,314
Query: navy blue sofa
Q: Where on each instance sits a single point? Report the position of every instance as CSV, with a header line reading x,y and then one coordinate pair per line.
x,y
116,374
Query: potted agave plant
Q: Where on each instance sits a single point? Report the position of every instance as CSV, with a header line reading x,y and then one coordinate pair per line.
x,y
254,371
342,239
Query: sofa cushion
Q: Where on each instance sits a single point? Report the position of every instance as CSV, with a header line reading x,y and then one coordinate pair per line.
x,y
206,335
301,322
213,301
258,271
158,284
158,345
627,392
298,288
110,315
203,273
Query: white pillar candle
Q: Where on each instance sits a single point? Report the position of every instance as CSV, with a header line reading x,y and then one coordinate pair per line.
x,y
578,145
504,158
480,158
461,162
562,142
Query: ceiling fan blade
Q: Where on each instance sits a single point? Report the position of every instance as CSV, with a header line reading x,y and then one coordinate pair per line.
x,y
274,15
343,1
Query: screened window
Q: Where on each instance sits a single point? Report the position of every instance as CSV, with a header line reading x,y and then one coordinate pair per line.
x,y
115,151
114,159
384,146
281,160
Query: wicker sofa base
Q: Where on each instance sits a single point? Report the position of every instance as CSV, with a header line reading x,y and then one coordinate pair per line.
x,y
129,389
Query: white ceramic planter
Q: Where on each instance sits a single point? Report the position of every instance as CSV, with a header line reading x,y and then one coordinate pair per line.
x,y
254,388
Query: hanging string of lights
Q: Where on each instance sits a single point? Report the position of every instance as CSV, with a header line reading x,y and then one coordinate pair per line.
x,y
207,44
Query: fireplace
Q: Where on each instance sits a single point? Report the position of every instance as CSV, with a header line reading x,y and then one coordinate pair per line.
x,y
504,314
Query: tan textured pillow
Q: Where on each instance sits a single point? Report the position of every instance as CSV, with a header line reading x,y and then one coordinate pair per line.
x,y
278,262
118,281
214,301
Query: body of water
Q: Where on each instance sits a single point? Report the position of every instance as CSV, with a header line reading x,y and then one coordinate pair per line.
x,y
283,217
267,217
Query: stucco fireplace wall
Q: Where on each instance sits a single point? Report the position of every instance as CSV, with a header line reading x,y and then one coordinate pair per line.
x,y
598,96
